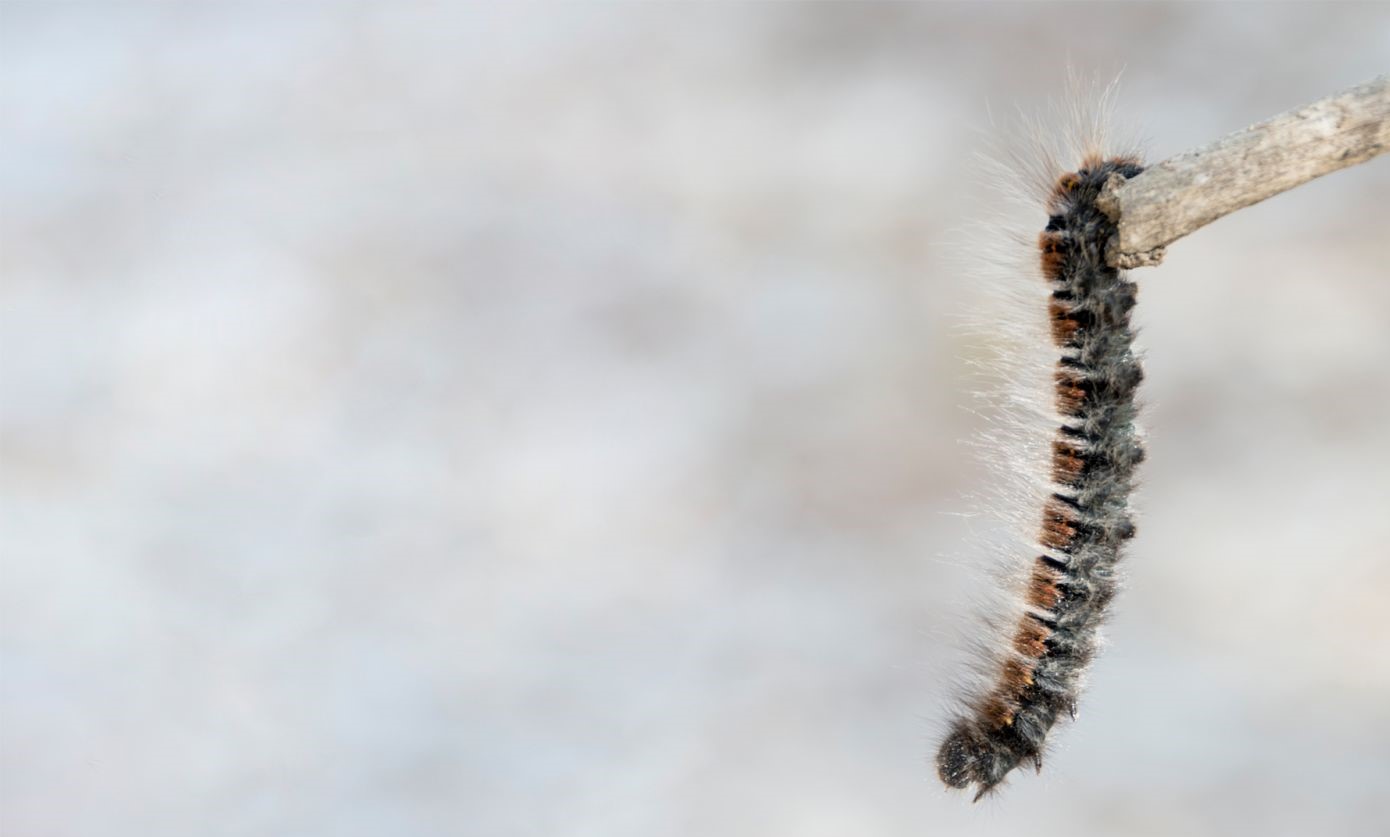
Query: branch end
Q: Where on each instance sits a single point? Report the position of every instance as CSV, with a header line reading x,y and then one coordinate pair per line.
x,y
1129,261
1107,201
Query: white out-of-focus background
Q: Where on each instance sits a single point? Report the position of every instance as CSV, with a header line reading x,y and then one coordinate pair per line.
x,y
546,421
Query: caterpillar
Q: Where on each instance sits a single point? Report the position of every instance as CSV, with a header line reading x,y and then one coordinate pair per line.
x,y
1092,449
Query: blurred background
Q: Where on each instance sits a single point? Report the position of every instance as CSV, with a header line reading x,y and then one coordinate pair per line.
x,y
548,421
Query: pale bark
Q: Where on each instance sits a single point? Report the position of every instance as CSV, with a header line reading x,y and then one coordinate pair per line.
x,y
1184,193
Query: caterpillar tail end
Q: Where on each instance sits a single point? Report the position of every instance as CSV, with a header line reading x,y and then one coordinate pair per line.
x,y
967,758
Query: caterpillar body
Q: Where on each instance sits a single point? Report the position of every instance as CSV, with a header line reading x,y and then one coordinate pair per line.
x,y
1084,520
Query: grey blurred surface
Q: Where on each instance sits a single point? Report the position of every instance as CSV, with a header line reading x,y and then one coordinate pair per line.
x,y
546,422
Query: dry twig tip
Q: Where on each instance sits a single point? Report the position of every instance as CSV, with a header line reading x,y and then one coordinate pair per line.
x,y
1185,193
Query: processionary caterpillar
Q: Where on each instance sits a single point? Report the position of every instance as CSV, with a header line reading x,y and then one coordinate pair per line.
x,y
1079,301
1085,519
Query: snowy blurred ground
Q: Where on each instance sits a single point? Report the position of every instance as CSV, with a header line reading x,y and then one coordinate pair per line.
x,y
546,423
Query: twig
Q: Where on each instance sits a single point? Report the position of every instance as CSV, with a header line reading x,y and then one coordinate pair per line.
x,y
1189,191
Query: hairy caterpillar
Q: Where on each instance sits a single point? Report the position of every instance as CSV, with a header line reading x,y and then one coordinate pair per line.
x,y
1082,519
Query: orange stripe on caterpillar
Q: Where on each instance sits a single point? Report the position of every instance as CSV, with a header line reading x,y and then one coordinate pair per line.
x,y
1057,528
1030,639
1054,253
1066,463
1042,588
1059,315
1070,393
1060,198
